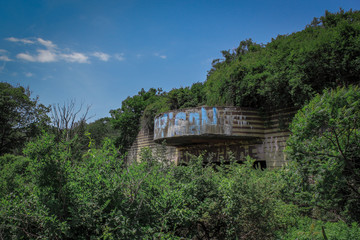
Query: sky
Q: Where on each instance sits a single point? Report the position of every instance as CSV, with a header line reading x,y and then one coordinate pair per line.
x,y
100,52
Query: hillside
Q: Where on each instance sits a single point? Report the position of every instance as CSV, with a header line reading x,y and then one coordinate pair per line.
x,y
286,72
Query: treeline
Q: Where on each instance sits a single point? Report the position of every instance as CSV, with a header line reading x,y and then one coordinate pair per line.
x,y
61,178
23,118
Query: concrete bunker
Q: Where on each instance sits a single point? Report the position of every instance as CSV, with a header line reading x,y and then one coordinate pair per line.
x,y
219,133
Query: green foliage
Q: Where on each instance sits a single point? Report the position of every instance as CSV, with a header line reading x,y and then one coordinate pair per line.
x,y
224,83
51,163
22,216
290,69
307,228
158,106
127,118
100,130
252,201
186,97
14,174
21,118
48,195
31,196
101,197
230,201
95,193
325,146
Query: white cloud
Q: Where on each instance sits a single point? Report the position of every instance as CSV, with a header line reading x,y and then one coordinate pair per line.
x,y
28,74
102,56
160,56
12,39
5,59
47,51
46,56
3,56
26,57
119,56
46,43
75,57
43,56
51,56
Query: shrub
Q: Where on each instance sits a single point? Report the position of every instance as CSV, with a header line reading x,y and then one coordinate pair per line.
x,y
101,197
308,228
325,146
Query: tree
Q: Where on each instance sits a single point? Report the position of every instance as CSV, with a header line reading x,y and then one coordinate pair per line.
x,y
291,69
127,118
325,145
21,117
100,130
67,120
186,97
69,125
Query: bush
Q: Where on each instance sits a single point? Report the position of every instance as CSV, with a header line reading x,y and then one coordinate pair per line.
x,y
307,228
14,174
325,146
101,197
22,214
231,201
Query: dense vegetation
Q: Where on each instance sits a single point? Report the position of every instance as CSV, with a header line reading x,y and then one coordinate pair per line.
x,y
65,179
290,69
20,119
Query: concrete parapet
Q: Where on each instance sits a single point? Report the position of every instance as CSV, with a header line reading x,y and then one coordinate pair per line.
x,y
202,123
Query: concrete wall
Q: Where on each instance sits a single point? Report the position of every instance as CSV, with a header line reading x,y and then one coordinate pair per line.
x,y
218,132
145,138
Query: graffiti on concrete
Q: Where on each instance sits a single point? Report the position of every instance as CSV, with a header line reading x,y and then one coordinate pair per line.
x,y
198,121
271,147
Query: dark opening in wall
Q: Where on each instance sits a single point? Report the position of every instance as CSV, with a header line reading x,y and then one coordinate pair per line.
x,y
260,164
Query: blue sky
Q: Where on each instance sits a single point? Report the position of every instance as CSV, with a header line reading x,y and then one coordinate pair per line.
x,y
100,52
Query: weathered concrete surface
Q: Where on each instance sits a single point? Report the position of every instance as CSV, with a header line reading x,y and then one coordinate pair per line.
x,y
207,122
145,139
218,133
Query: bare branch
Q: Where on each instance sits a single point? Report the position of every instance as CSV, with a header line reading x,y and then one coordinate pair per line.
x,y
67,120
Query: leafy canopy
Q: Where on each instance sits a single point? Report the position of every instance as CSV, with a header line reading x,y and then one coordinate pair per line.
x,y
291,69
325,146
21,117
